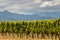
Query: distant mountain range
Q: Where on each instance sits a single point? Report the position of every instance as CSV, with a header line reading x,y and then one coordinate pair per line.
x,y
6,15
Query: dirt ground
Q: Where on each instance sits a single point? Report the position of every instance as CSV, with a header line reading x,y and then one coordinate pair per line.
x,y
17,38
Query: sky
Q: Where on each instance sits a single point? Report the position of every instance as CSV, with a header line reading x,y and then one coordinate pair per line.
x,y
29,6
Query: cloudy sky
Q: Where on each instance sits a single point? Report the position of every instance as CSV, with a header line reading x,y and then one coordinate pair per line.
x,y
29,6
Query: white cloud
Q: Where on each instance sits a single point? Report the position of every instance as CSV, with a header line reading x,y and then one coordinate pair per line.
x,y
25,6
21,12
37,1
47,3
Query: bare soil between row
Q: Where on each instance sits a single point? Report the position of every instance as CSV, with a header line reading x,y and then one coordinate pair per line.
x,y
4,37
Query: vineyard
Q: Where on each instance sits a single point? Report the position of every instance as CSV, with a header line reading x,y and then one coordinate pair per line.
x,y
34,28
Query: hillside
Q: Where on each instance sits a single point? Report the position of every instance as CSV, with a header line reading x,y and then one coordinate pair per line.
x,y
13,16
